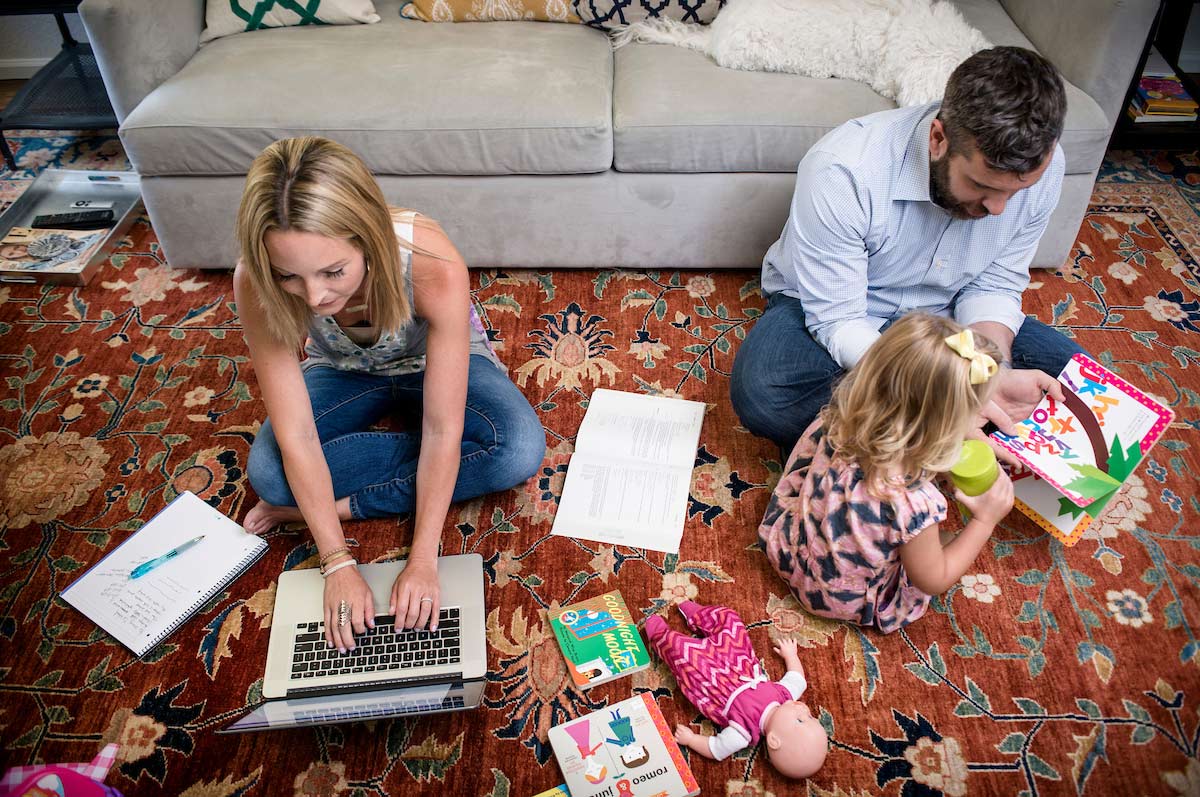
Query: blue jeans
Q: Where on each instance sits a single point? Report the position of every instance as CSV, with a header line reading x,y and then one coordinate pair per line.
x,y
782,377
503,440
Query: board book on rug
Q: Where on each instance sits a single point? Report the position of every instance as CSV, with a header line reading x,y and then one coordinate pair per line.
x,y
140,610
625,750
1077,453
599,640
629,479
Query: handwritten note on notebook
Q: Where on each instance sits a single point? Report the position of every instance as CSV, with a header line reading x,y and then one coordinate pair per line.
x,y
140,612
628,481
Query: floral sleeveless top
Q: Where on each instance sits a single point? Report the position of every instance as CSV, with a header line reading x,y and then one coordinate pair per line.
x,y
837,546
394,353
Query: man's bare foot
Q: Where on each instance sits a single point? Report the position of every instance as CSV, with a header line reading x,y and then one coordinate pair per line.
x,y
263,517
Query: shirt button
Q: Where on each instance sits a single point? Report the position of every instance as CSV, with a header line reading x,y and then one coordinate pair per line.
x,y
941,264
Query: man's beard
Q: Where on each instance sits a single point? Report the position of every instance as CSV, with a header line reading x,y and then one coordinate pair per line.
x,y
940,193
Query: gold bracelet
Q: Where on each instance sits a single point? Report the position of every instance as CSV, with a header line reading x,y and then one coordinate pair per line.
x,y
333,553
325,565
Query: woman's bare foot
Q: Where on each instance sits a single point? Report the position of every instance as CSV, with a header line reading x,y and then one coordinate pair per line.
x,y
263,516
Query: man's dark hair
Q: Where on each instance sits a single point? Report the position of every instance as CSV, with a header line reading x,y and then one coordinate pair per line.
x,y
1007,102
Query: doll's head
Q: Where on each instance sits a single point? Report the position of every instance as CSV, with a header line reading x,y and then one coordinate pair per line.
x,y
796,741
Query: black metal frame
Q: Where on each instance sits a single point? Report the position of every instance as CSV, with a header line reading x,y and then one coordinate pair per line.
x,y
71,78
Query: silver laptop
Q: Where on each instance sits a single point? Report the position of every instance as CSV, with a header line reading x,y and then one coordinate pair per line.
x,y
391,672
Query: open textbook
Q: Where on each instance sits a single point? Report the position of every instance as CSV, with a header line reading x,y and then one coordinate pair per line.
x,y
1077,453
628,480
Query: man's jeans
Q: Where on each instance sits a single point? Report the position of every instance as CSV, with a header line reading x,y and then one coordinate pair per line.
x,y
782,377
503,440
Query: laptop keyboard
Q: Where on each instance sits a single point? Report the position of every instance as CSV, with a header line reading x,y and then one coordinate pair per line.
x,y
383,648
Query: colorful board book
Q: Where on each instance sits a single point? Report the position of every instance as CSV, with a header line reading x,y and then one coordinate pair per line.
x,y
625,750
599,640
1077,453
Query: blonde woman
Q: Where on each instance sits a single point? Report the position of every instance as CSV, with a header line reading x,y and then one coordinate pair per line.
x,y
382,297
853,524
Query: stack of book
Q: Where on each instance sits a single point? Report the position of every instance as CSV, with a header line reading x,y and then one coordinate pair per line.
x,y
1161,95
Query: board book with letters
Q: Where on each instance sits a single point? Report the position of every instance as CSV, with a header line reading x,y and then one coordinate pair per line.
x,y
1077,453
141,612
599,640
624,750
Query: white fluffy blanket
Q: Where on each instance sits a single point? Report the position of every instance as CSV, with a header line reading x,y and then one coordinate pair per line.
x,y
903,49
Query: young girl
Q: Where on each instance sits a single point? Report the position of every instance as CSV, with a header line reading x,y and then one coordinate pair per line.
x,y
383,298
853,524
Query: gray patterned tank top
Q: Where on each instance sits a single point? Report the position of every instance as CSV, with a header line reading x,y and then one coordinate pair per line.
x,y
394,353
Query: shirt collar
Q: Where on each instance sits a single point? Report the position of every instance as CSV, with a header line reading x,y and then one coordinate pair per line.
x,y
913,182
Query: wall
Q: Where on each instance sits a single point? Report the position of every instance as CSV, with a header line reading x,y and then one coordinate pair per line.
x,y
1189,54
27,42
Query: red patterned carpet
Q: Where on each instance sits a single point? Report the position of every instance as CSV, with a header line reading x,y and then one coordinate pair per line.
x,y
1047,670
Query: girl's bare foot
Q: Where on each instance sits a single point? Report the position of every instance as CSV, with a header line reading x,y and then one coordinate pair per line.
x,y
263,516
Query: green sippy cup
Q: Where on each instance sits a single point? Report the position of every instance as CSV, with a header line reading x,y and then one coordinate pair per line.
x,y
975,472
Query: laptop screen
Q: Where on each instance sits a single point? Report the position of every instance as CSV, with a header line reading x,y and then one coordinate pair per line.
x,y
353,707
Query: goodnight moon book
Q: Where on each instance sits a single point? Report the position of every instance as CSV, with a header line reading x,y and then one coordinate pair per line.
x,y
1078,452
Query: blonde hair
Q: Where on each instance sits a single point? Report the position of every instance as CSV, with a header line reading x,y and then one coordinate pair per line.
x,y
311,184
903,411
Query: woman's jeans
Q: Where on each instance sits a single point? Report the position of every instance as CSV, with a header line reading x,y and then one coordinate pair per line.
x,y
503,440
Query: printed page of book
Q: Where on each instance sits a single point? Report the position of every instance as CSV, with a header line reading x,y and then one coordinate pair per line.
x,y
627,748
1085,446
138,612
628,480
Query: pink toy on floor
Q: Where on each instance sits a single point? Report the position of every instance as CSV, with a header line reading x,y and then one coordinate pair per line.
x,y
720,673
62,780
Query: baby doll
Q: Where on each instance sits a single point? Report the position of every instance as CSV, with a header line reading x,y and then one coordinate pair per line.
x,y
721,675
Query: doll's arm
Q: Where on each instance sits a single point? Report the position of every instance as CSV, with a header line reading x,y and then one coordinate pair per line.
x,y
785,648
718,747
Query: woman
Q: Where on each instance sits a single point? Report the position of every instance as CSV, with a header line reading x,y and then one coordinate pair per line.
x,y
383,298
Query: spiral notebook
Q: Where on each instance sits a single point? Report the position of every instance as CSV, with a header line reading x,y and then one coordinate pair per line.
x,y
140,613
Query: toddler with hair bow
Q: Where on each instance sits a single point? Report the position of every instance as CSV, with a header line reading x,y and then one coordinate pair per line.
x,y
853,524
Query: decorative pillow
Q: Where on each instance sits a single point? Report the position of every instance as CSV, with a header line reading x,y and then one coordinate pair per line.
x,y
489,10
613,14
226,17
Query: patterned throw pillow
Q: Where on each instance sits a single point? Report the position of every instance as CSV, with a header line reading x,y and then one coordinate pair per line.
x,y
225,17
612,14
489,10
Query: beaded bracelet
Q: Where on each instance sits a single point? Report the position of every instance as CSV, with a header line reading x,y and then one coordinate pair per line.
x,y
326,563
338,566
334,553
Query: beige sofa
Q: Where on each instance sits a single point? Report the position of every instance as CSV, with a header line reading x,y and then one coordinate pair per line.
x,y
534,143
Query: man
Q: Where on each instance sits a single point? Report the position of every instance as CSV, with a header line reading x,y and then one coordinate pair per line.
x,y
936,208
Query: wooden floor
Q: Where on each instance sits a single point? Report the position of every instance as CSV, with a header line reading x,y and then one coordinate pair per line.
x,y
7,89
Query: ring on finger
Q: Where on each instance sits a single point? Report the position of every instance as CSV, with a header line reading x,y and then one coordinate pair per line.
x,y
343,613
426,599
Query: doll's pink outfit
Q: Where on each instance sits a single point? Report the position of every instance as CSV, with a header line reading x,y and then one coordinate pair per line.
x,y
720,673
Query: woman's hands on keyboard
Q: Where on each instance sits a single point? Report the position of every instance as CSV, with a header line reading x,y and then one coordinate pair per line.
x,y
418,579
347,585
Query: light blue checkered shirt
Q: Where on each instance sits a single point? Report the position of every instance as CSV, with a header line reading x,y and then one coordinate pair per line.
x,y
864,244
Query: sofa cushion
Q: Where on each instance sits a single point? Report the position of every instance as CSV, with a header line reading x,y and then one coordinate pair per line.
x,y
409,97
480,11
675,110
611,14
226,17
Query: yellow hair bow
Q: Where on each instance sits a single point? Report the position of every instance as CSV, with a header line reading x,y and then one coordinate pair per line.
x,y
983,367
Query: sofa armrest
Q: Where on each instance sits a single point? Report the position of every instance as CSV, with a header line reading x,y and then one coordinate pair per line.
x,y
140,43
1096,44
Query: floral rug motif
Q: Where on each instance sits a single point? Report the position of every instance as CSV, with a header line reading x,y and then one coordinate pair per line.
x,y
1045,671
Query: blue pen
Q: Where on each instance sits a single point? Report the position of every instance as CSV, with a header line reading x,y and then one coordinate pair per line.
x,y
146,567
